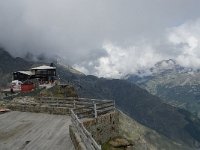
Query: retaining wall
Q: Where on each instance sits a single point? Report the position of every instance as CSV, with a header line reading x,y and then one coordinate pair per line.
x,y
103,127
40,109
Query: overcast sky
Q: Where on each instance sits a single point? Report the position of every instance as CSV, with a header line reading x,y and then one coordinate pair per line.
x,y
107,38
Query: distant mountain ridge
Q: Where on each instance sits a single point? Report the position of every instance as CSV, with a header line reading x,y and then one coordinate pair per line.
x,y
177,85
162,67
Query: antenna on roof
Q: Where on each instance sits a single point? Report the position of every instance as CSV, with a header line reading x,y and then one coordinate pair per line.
x,y
51,64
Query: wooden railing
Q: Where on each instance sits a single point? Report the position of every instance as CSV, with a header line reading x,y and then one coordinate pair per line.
x,y
92,109
82,108
86,136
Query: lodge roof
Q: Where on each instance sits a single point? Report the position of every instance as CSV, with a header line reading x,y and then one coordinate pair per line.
x,y
26,72
43,67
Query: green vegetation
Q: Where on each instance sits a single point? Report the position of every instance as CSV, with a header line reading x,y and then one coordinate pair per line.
x,y
193,127
145,138
59,91
117,143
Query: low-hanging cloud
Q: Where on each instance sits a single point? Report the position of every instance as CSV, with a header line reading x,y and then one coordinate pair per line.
x,y
105,38
181,43
186,39
120,61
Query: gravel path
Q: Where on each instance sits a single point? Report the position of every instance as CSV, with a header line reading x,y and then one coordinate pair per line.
x,y
34,131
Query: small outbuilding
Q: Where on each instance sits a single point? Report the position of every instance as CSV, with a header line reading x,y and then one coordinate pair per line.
x,y
22,75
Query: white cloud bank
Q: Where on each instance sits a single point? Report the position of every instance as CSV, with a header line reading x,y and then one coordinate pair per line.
x,y
181,43
186,38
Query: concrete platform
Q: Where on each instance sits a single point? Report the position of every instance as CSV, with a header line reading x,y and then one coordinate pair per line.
x,y
34,131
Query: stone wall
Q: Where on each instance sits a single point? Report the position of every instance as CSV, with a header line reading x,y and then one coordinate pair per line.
x,y
104,127
39,109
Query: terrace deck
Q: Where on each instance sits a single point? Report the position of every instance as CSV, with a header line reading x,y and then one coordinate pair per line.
x,y
34,131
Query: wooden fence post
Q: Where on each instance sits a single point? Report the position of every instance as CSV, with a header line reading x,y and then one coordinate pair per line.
x,y
95,109
114,104
74,103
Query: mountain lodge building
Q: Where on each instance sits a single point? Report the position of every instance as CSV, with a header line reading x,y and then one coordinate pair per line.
x,y
42,73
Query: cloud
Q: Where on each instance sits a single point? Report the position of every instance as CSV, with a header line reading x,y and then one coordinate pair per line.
x,y
105,38
120,61
181,43
186,39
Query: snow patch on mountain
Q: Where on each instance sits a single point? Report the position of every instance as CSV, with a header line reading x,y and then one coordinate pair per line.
x,y
163,67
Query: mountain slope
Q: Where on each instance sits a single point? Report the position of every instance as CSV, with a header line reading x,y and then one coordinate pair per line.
x,y
146,138
144,108
8,64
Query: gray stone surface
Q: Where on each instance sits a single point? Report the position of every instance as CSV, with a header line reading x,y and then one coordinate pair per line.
x,y
103,127
34,131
